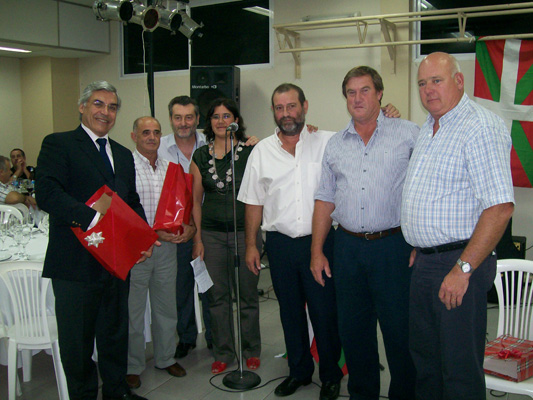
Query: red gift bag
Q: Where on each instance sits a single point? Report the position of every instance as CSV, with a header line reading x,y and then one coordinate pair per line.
x,y
117,240
509,358
175,202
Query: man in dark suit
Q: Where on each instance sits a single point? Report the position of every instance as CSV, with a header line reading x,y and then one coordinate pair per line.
x,y
90,302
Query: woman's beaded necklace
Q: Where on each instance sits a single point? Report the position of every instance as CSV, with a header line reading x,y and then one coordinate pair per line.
x,y
220,183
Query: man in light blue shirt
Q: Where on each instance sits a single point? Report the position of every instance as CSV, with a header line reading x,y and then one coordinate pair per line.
x,y
178,148
457,201
363,171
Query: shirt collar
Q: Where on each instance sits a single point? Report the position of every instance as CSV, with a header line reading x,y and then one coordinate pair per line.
x,y
200,141
145,160
94,136
303,135
350,128
452,113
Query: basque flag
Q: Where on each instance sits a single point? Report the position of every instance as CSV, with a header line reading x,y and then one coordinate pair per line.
x,y
504,85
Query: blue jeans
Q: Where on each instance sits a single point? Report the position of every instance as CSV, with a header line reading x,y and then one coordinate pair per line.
x,y
372,283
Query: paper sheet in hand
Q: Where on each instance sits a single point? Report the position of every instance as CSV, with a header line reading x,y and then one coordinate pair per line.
x,y
201,276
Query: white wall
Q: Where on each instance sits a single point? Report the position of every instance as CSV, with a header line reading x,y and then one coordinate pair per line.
x,y
10,105
523,216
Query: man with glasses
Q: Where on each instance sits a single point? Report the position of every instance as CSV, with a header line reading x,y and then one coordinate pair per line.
x,y
90,302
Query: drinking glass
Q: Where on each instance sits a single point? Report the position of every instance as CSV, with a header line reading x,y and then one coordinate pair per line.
x,y
22,237
44,223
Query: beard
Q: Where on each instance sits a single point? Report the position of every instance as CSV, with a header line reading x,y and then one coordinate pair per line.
x,y
290,126
185,133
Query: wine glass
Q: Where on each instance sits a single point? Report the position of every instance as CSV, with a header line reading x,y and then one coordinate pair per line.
x,y
29,220
44,223
3,237
12,222
22,237
30,186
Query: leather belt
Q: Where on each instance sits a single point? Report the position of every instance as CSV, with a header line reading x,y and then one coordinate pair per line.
x,y
444,247
373,235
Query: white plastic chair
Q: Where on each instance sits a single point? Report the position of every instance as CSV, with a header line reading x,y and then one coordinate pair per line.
x,y
6,211
514,316
32,328
3,335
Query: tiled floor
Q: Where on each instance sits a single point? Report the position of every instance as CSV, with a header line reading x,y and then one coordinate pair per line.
x,y
199,382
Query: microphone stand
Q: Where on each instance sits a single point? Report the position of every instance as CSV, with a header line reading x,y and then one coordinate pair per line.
x,y
238,379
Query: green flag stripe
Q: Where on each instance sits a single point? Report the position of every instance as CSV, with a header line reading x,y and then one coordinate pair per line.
x,y
489,72
524,86
523,149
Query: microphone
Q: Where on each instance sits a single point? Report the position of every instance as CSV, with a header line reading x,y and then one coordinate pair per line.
x,y
233,127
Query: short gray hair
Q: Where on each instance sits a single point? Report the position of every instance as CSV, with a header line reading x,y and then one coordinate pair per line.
x,y
95,87
4,163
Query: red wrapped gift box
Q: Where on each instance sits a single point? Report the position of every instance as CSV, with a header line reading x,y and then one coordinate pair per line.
x,y
509,358
117,240
175,203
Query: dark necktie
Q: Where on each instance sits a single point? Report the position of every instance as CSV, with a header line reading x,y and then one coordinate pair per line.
x,y
101,143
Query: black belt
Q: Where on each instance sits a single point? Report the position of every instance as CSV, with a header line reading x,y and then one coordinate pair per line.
x,y
444,247
373,235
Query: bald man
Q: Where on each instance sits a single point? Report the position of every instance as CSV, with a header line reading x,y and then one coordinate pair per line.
x,y
457,201
158,274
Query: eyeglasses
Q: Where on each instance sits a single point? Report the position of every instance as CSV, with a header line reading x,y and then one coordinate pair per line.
x,y
226,116
100,105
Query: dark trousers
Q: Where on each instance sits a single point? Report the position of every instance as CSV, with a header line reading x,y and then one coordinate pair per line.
x,y
186,327
372,284
295,288
448,346
85,311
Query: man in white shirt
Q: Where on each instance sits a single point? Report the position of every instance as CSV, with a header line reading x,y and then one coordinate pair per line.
x,y
156,275
179,148
278,186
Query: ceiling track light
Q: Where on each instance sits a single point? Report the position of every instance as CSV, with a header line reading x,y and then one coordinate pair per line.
x,y
121,10
170,19
189,27
147,17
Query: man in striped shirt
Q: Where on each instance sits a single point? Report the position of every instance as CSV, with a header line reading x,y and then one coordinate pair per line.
x,y
158,273
457,201
363,171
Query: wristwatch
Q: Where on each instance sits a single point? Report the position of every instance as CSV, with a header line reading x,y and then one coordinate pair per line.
x,y
465,266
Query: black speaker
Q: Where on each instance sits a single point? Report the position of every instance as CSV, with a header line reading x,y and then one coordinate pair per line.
x,y
211,82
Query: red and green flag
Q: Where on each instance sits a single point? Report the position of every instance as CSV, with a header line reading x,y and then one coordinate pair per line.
x,y
504,85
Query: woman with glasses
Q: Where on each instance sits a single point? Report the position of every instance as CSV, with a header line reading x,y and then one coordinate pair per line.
x,y
214,239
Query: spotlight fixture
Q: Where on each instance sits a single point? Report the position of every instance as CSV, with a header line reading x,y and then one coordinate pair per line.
x,y
189,27
170,20
147,17
121,10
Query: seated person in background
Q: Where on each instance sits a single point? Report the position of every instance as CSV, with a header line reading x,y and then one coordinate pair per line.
x,y
7,194
20,170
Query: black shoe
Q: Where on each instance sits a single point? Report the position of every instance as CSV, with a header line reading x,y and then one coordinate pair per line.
x,y
330,390
210,345
127,396
289,386
182,349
